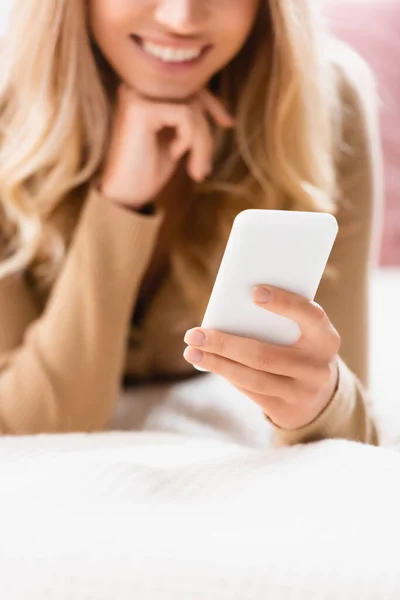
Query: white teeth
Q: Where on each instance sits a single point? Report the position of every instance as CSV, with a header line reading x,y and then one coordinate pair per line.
x,y
169,54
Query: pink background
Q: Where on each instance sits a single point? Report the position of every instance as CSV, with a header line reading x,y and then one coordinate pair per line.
x,y
372,27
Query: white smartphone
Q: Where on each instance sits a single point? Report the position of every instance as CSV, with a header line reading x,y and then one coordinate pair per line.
x,y
286,249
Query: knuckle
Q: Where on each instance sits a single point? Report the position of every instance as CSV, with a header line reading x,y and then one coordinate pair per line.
x,y
219,343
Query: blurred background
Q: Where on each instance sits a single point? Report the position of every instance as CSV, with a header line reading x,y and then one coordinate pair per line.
x,y
372,28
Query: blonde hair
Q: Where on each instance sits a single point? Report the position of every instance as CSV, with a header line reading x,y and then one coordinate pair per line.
x,y
55,116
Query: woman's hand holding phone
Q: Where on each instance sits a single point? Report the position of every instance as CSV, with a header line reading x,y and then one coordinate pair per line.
x,y
292,385
149,138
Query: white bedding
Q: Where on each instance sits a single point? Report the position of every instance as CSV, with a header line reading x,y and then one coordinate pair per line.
x,y
152,516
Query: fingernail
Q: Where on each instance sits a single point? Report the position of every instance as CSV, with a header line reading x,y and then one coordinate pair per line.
x,y
195,337
261,295
193,355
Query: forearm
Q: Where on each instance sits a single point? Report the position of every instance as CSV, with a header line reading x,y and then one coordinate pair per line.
x,y
66,373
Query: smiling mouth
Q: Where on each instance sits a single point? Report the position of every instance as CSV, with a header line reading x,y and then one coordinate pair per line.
x,y
170,54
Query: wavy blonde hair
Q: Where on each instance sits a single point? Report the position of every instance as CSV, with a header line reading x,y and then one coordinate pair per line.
x,y
55,117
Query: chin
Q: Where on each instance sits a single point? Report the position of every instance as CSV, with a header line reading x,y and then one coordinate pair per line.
x,y
162,92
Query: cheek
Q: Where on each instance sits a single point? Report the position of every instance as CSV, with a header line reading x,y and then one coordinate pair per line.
x,y
108,18
239,24
110,22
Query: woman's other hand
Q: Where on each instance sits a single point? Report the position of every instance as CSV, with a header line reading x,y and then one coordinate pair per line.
x,y
292,385
149,138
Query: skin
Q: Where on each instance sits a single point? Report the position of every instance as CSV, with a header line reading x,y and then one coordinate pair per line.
x,y
292,385
162,137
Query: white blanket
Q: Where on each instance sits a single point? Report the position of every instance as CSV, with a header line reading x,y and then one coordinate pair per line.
x,y
154,516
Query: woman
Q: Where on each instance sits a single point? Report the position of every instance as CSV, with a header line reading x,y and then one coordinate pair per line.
x,y
133,132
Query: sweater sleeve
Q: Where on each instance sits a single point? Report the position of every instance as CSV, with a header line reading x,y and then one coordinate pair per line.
x,y
344,293
60,371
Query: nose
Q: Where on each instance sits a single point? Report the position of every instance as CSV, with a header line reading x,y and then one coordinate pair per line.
x,y
182,16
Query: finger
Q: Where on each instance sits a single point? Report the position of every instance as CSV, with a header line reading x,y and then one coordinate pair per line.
x,y
179,146
243,376
183,139
200,159
310,316
279,360
216,109
178,118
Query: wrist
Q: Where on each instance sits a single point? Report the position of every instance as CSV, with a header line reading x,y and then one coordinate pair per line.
x,y
326,396
143,208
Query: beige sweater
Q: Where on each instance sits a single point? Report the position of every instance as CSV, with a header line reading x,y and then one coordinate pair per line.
x,y
61,367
